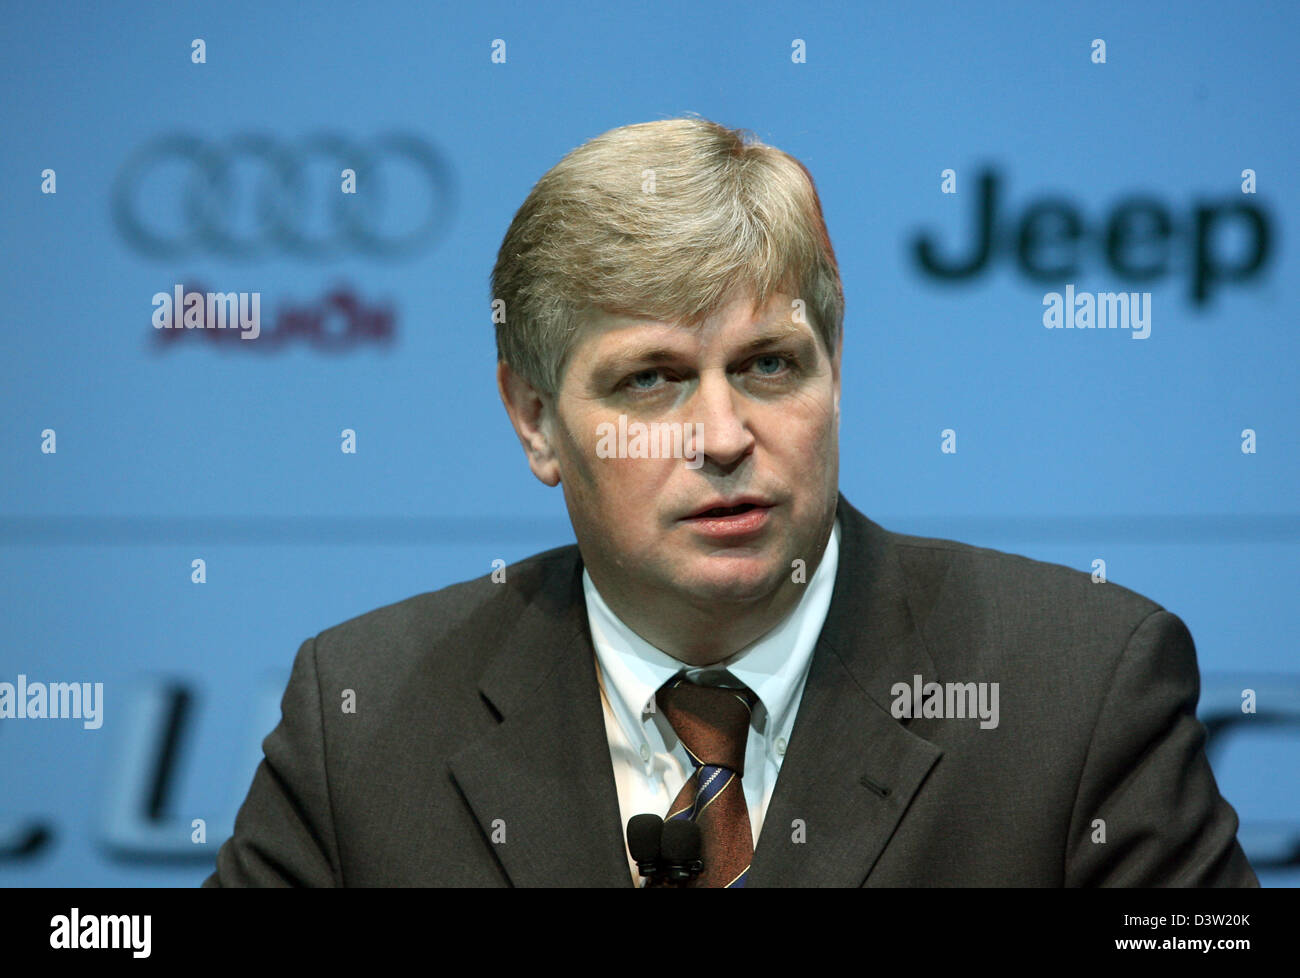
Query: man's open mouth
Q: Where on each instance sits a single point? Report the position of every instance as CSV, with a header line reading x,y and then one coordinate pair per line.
x,y
722,511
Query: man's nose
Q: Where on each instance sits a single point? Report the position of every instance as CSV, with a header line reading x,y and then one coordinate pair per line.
x,y
722,412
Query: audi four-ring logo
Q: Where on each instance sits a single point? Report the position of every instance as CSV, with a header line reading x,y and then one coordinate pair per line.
x,y
255,195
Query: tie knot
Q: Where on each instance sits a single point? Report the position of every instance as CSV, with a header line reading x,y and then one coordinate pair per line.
x,y
712,722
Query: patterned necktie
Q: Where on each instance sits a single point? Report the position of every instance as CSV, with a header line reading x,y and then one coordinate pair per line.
x,y
713,725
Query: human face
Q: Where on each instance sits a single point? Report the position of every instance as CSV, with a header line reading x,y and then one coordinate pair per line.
x,y
758,400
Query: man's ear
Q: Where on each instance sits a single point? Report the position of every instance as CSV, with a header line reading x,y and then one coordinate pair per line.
x,y
836,361
532,412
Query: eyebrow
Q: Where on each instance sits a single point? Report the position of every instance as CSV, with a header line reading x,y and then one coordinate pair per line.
x,y
625,360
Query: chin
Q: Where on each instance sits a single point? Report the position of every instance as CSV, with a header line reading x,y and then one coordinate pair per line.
x,y
734,580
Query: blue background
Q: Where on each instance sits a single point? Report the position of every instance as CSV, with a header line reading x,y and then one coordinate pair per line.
x,y
1073,445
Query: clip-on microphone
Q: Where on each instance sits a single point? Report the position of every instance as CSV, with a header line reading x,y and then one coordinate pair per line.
x,y
665,852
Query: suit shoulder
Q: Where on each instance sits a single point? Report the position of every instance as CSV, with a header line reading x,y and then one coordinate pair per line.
x,y
467,613
1037,587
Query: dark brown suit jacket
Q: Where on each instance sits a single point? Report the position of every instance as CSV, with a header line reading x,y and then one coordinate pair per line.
x,y
478,715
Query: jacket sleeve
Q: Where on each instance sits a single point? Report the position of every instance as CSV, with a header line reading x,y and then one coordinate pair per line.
x,y
284,832
1147,779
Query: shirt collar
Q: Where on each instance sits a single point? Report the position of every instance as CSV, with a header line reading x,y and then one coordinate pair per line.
x,y
773,666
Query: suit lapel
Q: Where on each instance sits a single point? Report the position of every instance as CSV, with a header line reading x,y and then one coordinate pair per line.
x,y
545,769
851,769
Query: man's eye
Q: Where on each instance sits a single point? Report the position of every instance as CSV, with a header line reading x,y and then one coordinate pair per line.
x,y
643,381
776,362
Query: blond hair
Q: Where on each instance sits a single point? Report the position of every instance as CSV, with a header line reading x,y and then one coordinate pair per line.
x,y
663,220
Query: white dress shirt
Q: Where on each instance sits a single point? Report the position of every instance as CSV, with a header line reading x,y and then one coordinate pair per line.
x,y
650,763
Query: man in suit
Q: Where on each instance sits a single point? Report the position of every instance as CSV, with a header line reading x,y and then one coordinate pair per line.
x,y
730,643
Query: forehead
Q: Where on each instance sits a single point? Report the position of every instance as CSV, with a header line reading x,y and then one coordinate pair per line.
x,y
739,322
